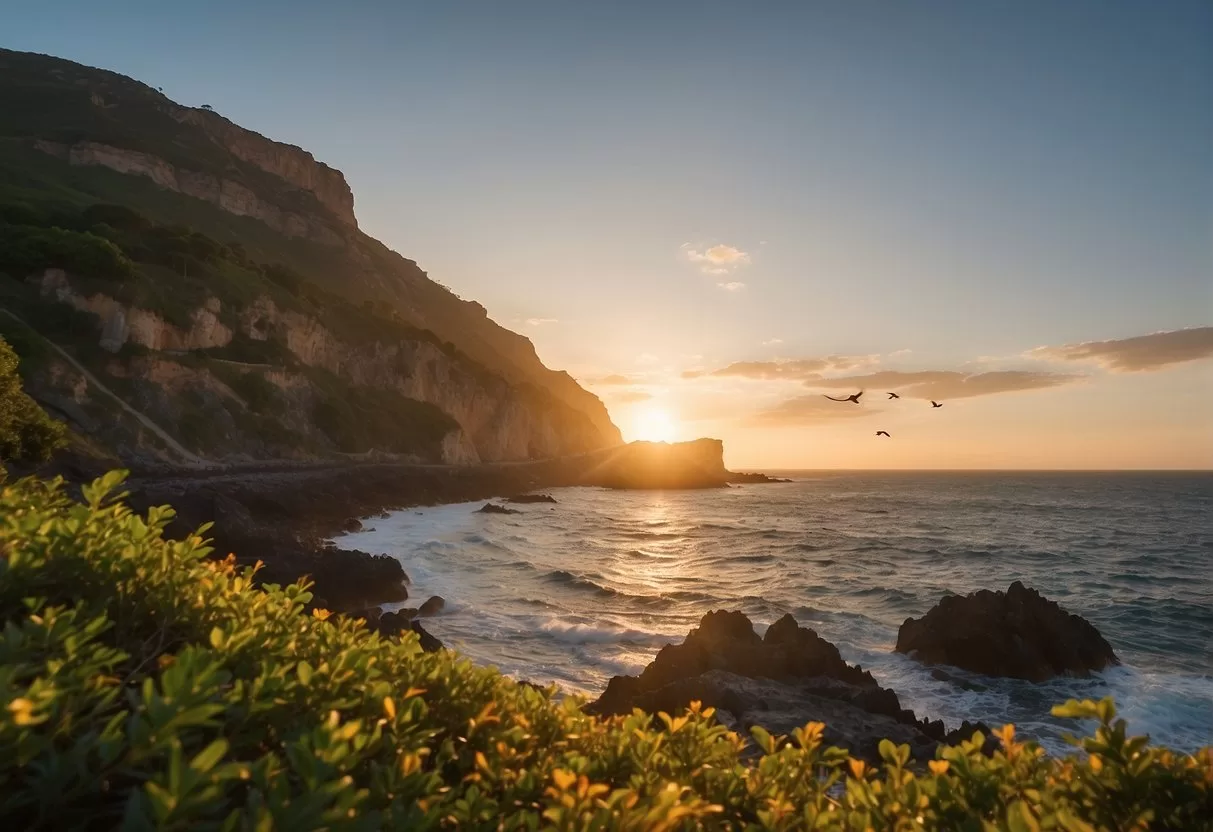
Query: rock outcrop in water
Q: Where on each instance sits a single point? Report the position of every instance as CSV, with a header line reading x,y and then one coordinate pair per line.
x,y
1018,633
780,681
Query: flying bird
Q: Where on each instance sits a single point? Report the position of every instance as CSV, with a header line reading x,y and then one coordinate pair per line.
x,y
935,403
883,433
853,398
894,396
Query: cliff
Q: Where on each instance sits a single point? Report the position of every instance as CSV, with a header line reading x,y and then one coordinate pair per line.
x,y
73,136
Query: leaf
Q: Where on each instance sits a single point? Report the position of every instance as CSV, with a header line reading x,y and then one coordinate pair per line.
x,y
206,759
389,707
304,671
1020,818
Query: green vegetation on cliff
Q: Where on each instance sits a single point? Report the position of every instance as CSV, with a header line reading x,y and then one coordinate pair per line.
x,y
27,434
55,113
143,685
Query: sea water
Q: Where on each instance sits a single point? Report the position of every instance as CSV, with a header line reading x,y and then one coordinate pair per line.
x,y
577,592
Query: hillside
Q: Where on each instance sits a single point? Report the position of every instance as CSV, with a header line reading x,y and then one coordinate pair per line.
x,y
215,282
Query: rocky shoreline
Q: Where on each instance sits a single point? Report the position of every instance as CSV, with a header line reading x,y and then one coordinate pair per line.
x,y
285,518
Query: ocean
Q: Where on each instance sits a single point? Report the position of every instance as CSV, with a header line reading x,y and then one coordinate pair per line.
x,y
593,586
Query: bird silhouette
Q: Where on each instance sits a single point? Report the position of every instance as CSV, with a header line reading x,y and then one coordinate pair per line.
x,y
935,403
894,396
852,398
883,433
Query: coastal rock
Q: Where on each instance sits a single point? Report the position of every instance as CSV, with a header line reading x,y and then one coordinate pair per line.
x,y
531,498
780,681
641,465
1017,633
738,477
432,606
429,643
490,508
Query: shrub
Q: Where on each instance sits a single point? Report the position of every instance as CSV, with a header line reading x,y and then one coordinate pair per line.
x,y
25,250
143,685
27,434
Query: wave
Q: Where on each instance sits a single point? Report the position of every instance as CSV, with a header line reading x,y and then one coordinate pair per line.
x,y
578,633
563,578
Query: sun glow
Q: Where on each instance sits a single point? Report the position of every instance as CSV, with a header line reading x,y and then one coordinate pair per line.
x,y
652,423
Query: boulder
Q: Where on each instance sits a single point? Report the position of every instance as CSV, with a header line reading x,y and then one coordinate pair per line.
x,y
432,606
392,624
780,681
490,508
531,498
1018,634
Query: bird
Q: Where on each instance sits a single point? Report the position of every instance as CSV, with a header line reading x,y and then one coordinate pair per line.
x,y
894,396
853,398
935,403
883,433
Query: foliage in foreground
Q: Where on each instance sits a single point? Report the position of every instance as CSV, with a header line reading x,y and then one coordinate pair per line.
x,y
144,685
27,434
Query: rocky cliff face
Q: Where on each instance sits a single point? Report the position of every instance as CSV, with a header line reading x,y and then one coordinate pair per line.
x,y
496,422
293,164
229,195
89,118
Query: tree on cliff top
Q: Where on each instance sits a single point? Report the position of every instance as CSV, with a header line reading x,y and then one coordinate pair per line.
x,y
27,434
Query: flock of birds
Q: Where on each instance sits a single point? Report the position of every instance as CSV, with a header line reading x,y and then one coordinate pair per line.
x,y
854,399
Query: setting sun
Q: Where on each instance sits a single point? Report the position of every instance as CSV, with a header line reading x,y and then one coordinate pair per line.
x,y
654,424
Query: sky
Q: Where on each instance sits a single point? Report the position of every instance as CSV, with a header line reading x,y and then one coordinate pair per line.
x,y
714,214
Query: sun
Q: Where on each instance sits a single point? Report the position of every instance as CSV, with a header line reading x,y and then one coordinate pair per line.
x,y
653,423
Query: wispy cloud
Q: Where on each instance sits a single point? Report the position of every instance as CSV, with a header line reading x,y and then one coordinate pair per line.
x,y
540,321
802,369
630,396
608,380
1142,353
947,384
772,342
717,260
732,286
808,410
647,358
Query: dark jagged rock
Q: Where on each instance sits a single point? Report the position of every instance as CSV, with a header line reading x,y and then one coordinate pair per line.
x,y
432,606
531,498
490,508
429,643
739,477
780,681
1017,633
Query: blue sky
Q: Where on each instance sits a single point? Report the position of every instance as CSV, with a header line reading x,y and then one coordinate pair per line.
x,y
942,185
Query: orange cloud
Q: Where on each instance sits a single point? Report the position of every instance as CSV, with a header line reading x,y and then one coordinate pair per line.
x,y
719,259
613,379
630,396
1142,353
802,369
948,384
808,410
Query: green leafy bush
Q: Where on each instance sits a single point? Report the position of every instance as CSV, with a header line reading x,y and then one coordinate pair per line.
x,y
27,434
26,249
144,685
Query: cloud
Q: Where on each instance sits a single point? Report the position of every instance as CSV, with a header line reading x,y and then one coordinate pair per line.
x,y
647,358
947,384
1140,354
612,379
732,286
803,369
719,259
772,342
630,396
540,321
808,410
